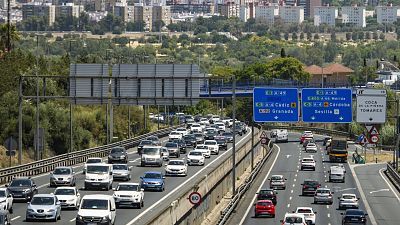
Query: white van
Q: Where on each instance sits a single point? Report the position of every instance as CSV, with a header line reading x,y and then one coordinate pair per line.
x,y
281,136
151,155
99,176
337,173
96,209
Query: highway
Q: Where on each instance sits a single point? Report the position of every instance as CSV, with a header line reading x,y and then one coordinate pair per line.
x,y
286,162
125,215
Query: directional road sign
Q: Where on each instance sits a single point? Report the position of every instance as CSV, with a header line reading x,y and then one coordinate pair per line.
x,y
275,104
326,105
371,106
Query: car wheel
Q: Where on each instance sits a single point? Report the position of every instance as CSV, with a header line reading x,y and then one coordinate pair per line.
x,y
11,210
59,216
142,203
256,215
139,205
28,220
273,215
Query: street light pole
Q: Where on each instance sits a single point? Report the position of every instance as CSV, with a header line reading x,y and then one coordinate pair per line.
x,y
37,100
234,134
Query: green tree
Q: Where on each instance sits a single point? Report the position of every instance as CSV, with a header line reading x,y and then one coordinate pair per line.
x,y
288,68
283,53
14,36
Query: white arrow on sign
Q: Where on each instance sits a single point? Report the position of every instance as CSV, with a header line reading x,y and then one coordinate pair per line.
x,y
340,118
313,117
276,117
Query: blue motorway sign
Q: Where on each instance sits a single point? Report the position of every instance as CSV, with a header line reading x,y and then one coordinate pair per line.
x,y
326,105
275,104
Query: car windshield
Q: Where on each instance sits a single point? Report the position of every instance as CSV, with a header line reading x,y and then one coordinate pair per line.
x,y
304,211
195,153
196,125
323,191
146,142
210,132
276,178
127,187
348,197
117,150
291,219
209,143
201,147
42,201
151,151
93,161
266,192
189,137
198,135
64,191
175,133
354,212
97,169
308,160
181,129
2,194
227,134
171,145
153,175
176,162
120,167
152,138
264,203
19,183
2,219
94,204
62,171
311,183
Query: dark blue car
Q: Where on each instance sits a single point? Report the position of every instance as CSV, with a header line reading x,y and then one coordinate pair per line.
x,y
153,180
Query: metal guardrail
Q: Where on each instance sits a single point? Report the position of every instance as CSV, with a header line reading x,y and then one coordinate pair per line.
x,y
313,129
393,175
73,158
225,214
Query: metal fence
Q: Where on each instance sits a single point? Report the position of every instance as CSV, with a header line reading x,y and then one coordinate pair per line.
x,y
393,175
73,158
316,130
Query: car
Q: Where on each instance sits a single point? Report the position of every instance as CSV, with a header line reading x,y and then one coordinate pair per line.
x,y
228,136
294,219
99,176
354,216
91,161
273,133
326,140
199,138
306,141
308,163
69,197
5,217
282,136
195,158
267,194
323,195
306,134
129,194
22,188
190,140
309,187
118,154
222,142
196,128
210,134
311,147
121,172
205,121
182,131
44,207
337,173
173,149
238,129
226,121
154,139
308,213
181,144
277,182
214,119
213,146
96,209
62,175
264,208
204,149
165,153
144,143
153,180
174,135
221,126
6,200
348,201
176,167
243,126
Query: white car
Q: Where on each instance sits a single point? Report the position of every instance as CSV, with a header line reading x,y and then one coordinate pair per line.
x,y
221,126
196,128
205,121
151,115
204,149
176,167
294,219
92,161
308,213
311,147
211,129
129,194
308,163
69,197
308,134
213,146
165,153
174,135
182,131
96,208
195,158
348,201
6,200
215,119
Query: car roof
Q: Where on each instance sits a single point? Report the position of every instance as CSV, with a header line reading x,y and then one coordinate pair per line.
x,y
176,160
157,172
351,211
94,158
266,189
22,178
128,183
323,189
307,158
99,164
294,215
265,200
349,194
277,176
44,195
66,187
96,196
304,208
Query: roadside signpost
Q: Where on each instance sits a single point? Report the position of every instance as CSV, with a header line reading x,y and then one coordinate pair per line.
x,y
371,106
275,104
11,145
326,105
264,138
195,198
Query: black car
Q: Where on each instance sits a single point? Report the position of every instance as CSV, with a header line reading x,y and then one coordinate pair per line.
x,y
118,154
267,194
222,142
199,138
190,140
181,144
23,188
238,129
144,143
309,187
243,126
5,217
228,136
354,216
154,139
210,135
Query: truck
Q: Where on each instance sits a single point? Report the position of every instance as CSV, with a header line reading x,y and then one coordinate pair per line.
x,y
337,150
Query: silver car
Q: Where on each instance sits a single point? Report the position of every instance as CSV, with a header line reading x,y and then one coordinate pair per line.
x,y
62,176
277,182
323,195
165,153
44,207
121,171
348,201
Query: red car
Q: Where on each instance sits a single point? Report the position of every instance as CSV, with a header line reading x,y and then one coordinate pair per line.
x,y
264,207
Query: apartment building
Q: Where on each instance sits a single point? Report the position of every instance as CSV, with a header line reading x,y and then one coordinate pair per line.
x,y
37,9
386,14
354,15
291,14
325,15
267,13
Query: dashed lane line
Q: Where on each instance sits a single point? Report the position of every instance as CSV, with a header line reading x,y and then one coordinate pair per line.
x,y
72,220
15,218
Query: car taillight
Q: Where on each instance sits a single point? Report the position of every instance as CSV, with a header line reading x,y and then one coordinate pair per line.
x,y
305,186
318,185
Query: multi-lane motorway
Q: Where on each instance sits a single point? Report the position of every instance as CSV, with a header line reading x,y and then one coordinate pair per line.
x,y
286,162
124,215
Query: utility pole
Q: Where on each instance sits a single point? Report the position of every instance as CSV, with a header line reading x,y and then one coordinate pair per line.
x,y
8,27
37,139
234,135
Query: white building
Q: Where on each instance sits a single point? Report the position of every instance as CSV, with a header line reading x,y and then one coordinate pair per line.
x,y
354,15
386,14
266,13
291,14
4,4
244,13
325,15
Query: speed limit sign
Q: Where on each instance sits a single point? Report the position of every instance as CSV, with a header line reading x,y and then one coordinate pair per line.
x,y
195,198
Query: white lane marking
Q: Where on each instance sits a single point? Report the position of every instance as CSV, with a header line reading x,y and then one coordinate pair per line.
x,y
291,191
388,183
327,208
329,215
290,198
346,189
72,220
294,179
380,190
366,204
287,156
288,205
297,171
187,181
294,185
295,175
259,188
15,218
329,223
